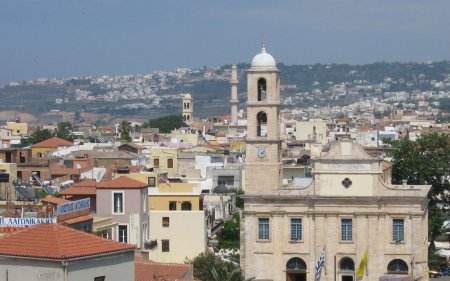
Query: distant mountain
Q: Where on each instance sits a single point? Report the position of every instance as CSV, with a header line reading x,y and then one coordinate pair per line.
x,y
157,94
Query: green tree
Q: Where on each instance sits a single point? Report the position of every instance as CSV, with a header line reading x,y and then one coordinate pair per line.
x,y
64,131
230,233
124,130
166,123
425,161
209,267
37,136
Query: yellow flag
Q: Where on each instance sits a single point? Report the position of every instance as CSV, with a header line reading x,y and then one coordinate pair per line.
x,y
362,266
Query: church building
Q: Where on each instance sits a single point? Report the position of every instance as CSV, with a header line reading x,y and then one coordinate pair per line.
x,y
348,210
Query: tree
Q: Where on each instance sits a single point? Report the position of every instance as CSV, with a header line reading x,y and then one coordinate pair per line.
x,y
230,233
64,131
166,123
425,161
124,130
209,267
37,136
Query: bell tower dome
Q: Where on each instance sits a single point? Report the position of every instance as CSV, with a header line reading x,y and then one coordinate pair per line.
x,y
263,144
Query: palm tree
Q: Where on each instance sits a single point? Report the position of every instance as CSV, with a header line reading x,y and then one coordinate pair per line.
x,y
226,275
125,129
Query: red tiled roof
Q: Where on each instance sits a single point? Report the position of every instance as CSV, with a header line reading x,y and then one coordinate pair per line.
x,y
53,241
86,187
52,142
81,190
122,183
54,200
78,219
146,270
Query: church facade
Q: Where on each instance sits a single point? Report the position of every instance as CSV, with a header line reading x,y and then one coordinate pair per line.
x,y
348,210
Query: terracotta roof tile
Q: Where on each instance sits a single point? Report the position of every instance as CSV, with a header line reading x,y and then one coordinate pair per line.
x,y
122,183
54,200
86,187
81,190
146,270
52,142
53,241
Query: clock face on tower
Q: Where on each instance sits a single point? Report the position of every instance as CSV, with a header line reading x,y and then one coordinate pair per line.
x,y
261,152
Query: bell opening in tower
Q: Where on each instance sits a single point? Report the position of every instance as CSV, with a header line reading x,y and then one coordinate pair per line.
x,y
261,129
262,89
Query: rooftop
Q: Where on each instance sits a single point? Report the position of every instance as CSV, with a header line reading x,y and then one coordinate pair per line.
x,y
122,183
53,241
53,143
146,270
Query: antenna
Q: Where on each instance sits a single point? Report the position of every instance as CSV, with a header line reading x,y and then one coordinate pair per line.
x,y
262,40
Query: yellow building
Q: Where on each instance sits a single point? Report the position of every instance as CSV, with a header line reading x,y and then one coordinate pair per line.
x,y
48,146
177,222
185,136
17,128
165,159
8,171
175,197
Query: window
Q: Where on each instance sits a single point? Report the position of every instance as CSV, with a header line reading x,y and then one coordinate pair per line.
x,y
225,180
99,278
118,202
165,245
152,182
170,163
263,232
346,230
165,221
262,89
296,229
186,206
123,233
398,230
156,162
173,205
397,266
261,129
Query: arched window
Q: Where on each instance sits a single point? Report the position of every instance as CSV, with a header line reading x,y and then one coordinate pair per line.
x,y
295,264
262,89
346,264
187,105
397,266
184,117
261,129
184,105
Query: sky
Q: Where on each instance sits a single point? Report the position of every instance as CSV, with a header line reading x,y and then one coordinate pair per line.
x,y
54,38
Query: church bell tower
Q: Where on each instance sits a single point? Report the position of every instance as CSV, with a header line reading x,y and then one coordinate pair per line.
x,y
263,165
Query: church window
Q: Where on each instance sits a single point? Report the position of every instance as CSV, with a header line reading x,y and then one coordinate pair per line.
x,y
261,129
263,233
346,264
296,264
346,182
398,230
296,229
262,89
397,266
346,230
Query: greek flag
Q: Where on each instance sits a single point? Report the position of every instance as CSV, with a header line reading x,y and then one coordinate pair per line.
x,y
320,264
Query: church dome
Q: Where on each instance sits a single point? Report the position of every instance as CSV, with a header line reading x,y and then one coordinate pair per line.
x,y
263,60
221,189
